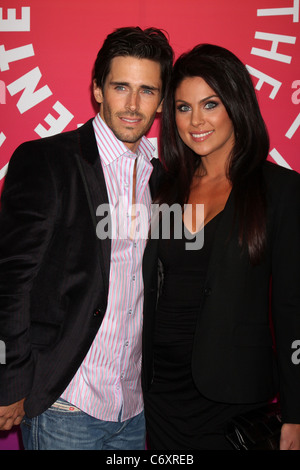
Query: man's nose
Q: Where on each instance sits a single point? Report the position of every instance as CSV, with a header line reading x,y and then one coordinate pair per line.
x,y
133,101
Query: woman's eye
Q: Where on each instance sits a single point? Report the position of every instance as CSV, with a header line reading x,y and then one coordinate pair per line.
x,y
210,105
183,108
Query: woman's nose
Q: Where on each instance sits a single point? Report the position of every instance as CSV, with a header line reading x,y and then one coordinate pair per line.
x,y
197,118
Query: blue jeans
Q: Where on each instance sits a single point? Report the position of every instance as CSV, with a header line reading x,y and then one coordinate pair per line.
x,y
61,429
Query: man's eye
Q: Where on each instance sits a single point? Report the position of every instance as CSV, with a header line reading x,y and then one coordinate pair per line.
x,y
120,88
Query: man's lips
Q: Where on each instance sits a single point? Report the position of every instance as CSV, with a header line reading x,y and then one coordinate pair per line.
x,y
129,120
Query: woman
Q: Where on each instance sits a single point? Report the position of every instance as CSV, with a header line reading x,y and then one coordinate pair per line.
x,y
207,352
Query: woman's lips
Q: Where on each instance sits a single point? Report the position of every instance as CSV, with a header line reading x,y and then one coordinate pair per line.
x,y
200,136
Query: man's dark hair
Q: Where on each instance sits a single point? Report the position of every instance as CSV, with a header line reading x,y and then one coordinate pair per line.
x,y
150,43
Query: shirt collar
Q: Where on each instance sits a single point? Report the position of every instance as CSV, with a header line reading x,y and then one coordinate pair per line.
x,y
111,148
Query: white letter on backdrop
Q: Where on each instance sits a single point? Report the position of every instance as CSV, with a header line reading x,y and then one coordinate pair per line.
x,y
294,10
293,127
29,97
12,24
56,125
273,54
279,159
262,78
13,55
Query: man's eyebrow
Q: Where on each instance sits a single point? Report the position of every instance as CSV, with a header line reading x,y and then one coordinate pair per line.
x,y
119,83
150,87
144,87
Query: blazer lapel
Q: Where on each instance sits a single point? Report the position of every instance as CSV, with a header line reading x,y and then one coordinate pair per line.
x,y
90,167
155,176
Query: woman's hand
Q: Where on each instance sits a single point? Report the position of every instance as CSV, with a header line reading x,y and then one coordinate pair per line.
x,y
290,437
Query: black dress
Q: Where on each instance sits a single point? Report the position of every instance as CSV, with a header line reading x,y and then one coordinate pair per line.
x,y
177,415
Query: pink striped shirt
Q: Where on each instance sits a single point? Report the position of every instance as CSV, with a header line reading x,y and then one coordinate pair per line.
x,y
108,380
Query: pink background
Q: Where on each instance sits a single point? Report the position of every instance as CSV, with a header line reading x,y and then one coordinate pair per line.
x,y
64,37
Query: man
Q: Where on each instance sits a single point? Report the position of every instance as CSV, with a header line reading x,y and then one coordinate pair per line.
x,y
71,301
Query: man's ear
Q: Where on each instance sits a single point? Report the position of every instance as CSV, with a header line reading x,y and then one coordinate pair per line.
x,y
160,107
97,92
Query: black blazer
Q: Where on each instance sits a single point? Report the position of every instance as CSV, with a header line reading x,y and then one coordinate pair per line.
x,y
233,357
54,271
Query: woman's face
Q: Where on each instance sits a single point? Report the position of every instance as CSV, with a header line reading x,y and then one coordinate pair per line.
x,y
202,120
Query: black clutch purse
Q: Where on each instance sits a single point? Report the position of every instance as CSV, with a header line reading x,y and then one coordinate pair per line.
x,y
256,430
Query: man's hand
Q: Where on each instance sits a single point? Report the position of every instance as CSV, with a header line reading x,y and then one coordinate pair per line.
x,y
11,415
290,437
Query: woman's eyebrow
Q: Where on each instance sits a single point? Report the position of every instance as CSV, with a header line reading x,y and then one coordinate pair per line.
x,y
201,101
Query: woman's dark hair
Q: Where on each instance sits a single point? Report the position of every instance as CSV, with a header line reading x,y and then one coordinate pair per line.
x,y
150,43
230,80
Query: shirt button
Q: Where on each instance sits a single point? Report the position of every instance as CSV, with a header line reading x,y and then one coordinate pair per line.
x,y
207,291
97,312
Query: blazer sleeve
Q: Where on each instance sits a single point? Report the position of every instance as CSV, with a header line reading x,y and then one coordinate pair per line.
x,y
28,207
286,291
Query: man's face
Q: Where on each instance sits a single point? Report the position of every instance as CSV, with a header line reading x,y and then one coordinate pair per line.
x,y
130,98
